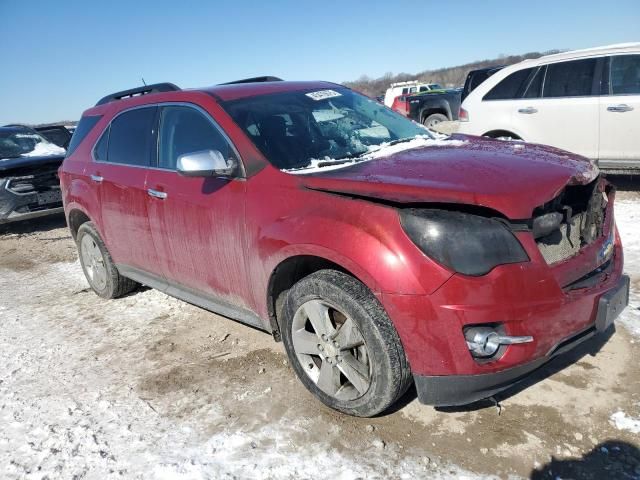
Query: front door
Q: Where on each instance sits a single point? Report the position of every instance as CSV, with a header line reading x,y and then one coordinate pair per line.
x,y
620,113
197,223
122,158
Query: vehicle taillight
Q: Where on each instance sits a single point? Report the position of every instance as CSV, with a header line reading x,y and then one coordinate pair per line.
x,y
463,115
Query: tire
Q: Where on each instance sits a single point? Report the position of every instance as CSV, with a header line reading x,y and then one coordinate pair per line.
x,y
97,265
435,118
361,369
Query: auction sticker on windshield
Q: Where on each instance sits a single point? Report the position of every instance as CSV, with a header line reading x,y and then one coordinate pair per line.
x,y
322,94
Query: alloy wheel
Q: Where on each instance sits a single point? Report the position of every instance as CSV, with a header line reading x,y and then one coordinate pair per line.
x,y
331,350
93,262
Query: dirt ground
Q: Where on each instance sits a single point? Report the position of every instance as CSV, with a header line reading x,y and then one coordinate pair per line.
x,y
150,387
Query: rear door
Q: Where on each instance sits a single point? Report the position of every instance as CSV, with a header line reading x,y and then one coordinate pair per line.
x,y
620,112
559,107
119,169
198,223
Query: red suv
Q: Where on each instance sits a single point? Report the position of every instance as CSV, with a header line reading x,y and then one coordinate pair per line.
x,y
377,252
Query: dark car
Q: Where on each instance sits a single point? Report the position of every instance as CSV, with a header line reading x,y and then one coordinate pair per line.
x,y
56,134
379,254
29,185
476,77
429,108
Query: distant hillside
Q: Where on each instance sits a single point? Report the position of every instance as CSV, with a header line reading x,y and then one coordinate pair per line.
x,y
447,77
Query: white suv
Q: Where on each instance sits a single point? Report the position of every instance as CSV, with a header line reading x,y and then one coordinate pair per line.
x,y
585,101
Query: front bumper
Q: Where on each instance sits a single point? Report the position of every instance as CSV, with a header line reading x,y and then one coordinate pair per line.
x,y
18,205
453,390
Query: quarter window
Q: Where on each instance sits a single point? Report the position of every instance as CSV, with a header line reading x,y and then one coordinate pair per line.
x,y
570,79
511,87
186,130
102,147
625,75
131,137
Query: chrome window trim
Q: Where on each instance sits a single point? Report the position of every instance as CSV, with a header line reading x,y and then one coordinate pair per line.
x,y
242,173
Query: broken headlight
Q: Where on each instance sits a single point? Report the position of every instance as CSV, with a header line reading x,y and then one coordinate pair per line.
x,y
466,243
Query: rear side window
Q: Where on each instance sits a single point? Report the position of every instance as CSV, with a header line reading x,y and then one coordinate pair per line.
x,y
131,137
187,130
511,87
625,75
570,79
85,125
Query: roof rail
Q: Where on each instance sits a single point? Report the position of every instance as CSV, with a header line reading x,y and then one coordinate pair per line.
x,y
266,78
134,92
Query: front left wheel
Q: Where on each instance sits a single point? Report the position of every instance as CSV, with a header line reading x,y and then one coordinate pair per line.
x,y
342,345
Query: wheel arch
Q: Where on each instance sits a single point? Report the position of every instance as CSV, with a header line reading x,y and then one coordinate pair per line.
x,y
441,107
75,218
501,133
290,271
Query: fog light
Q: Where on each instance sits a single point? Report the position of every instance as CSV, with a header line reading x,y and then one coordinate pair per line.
x,y
484,342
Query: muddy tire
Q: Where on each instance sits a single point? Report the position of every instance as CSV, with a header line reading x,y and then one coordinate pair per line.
x,y
342,345
432,120
98,267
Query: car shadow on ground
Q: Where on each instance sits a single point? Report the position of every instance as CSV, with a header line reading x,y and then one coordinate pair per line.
x,y
589,347
42,224
610,459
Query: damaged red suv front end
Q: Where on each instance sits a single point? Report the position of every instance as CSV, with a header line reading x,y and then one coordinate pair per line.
x,y
508,306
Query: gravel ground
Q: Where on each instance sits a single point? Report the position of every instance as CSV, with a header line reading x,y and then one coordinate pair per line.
x,y
150,387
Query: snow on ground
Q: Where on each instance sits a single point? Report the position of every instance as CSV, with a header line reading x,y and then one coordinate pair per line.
x,y
70,408
627,214
624,422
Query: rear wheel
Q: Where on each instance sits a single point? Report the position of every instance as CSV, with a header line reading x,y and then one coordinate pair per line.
x,y
98,267
342,345
432,120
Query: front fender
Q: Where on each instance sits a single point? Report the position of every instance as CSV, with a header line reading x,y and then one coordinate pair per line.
x,y
364,238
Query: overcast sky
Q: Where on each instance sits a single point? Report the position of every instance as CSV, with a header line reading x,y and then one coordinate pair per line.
x,y
60,57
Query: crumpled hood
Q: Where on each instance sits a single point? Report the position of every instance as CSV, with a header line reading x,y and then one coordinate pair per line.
x,y
510,177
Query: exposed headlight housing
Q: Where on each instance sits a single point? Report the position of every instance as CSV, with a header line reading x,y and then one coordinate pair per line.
x,y
465,243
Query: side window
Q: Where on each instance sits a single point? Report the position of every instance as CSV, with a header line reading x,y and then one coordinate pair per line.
x,y
131,137
101,149
625,74
186,130
570,79
534,89
510,87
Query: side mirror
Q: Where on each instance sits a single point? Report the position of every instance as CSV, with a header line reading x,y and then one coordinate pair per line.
x,y
205,163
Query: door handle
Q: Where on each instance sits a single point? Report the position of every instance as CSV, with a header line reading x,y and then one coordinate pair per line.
x,y
527,110
623,107
97,178
157,194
